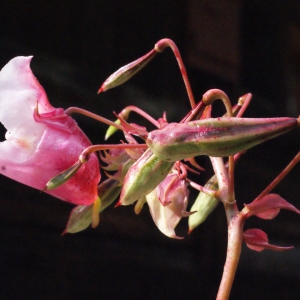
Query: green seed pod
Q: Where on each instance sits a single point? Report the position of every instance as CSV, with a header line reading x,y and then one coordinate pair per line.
x,y
81,216
215,136
143,177
203,205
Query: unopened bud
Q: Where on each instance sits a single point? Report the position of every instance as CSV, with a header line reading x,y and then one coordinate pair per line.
x,y
126,72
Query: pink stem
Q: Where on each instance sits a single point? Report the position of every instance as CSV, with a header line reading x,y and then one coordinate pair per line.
x,y
159,47
234,246
202,188
89,150
244,102
128,109
72,110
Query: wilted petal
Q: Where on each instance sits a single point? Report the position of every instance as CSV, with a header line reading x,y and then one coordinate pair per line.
x,y
257,240
173,193
163,216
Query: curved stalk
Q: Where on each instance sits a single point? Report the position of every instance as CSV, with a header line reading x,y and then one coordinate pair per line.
x,y
77,110
126,111
159,47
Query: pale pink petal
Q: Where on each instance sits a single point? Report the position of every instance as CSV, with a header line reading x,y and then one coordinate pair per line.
x,y
163,216
38,149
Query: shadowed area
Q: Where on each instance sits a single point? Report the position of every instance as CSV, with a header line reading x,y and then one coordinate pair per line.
x,y
76,46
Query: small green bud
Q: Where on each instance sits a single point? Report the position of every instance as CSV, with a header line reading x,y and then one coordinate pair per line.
x,y
126,72
111,130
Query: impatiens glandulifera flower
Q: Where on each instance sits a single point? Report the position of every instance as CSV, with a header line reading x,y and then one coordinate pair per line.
x,y
215,136
257,240
167,204
41,141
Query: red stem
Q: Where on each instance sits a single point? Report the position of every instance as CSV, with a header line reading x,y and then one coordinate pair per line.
x,y
128,109
159,47
77,110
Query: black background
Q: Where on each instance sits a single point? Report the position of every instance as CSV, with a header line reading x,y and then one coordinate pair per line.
x,y
76,45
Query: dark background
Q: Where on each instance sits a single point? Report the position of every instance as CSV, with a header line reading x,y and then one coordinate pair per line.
x,y
237,46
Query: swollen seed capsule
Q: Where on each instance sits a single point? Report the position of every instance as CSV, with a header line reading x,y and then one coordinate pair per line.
x,y
215,136
143,177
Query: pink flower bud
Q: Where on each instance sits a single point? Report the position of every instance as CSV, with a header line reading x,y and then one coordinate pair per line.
x,y
41,141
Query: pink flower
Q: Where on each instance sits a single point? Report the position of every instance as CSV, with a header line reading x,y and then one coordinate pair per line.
x,y
41,141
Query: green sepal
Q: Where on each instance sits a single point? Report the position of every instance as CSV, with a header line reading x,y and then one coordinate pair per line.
x,y
81,216
111,130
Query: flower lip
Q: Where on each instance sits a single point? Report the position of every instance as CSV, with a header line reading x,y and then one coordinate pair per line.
x,y
19,94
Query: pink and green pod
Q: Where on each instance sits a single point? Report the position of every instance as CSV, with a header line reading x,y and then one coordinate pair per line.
x,y
215,136
143,177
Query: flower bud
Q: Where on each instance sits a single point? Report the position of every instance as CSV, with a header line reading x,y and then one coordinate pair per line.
x,y
126,72
215,136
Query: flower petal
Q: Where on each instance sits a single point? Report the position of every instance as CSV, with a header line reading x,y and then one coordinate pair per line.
x,y
37,150
163,216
